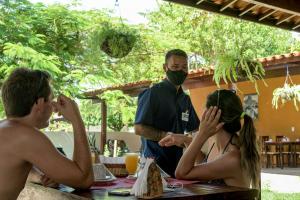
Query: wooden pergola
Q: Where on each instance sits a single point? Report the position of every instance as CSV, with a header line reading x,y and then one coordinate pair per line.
x,y
283,14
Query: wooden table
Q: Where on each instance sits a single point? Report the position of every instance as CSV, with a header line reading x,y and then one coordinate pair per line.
x,y
193,191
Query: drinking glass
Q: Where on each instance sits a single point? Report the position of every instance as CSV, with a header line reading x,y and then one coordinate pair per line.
x,y
131,163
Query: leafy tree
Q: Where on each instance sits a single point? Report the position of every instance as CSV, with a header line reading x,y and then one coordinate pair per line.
x,y
61,40
121,109
211,35
90,112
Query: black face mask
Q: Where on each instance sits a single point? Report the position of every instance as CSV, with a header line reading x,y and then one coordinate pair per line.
x,y
176,77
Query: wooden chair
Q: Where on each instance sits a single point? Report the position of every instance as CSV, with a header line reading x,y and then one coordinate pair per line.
x,y
263,150
286,151
296,154
262,140
271,153
132,140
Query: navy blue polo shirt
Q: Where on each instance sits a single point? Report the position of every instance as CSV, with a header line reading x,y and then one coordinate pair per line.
x,y
169,110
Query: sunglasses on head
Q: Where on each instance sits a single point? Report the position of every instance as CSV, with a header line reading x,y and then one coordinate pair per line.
x,y
218,100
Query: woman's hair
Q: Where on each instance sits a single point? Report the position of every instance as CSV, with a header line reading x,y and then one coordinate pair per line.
x,y
232,112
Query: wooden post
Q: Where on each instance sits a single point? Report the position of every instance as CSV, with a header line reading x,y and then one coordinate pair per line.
x,y
103,126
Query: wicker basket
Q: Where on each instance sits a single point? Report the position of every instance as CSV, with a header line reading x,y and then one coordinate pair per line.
x,y
118,170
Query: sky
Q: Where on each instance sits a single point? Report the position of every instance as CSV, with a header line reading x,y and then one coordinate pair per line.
x,y
128,9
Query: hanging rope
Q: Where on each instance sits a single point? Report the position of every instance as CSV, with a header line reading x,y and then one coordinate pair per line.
x,y
288,77
118,8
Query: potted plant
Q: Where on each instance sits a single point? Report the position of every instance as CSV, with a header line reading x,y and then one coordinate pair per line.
x,y
238,65
286,93
115,40
94,150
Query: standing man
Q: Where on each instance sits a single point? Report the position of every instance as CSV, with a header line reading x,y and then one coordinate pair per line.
x,y
165,113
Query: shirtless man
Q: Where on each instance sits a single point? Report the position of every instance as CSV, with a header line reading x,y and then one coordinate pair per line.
x,y
28,103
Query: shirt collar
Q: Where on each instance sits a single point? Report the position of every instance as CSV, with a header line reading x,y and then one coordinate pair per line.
x,y
172,86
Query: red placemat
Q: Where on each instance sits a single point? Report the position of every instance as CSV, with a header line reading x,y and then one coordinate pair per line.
x,y
119,183
128,183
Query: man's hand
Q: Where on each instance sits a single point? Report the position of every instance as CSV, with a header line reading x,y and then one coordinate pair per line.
x,y
47,182
68,108
36,176
173,139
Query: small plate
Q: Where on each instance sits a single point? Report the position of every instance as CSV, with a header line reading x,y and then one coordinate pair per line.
x,y
131,177
108,179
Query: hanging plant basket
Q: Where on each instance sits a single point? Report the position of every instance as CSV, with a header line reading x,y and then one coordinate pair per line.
x,y
249,69
289,92
116,41
231,69
118,44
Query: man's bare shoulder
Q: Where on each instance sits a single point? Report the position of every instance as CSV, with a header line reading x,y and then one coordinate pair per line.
x,y
19,134
13,127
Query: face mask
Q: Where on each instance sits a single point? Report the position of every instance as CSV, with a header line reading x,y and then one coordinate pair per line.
x,y
176,77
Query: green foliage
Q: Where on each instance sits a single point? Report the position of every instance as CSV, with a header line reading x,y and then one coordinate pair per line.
x,y
66,43
286,93
271,195
90,113
59,126
40,37
121,109
233,68
289,92
230,45
57,39
20,55
92,142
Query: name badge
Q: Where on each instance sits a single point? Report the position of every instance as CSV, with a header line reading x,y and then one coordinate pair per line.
x,y
185,116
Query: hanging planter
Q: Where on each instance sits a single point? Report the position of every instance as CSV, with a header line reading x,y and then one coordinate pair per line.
x,y
249,69
115,41
289,92
232,68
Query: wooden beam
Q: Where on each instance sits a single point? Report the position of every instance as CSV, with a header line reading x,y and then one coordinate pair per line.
x,y
285,19
280,71
267,14
297,26
103,126
229,3
200,2
270,64
287,6
212,7
247,9
200,82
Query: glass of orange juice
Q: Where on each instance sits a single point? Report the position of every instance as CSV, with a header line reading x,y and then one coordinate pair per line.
x,y
131,162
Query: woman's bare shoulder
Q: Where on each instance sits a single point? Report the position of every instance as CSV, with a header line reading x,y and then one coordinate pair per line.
x,y
234,158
